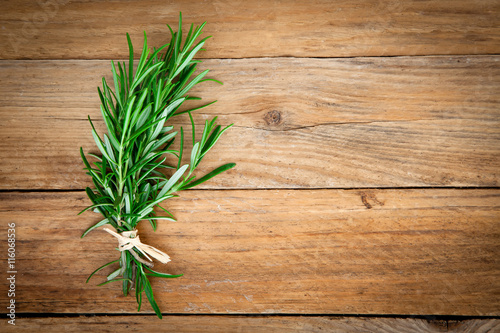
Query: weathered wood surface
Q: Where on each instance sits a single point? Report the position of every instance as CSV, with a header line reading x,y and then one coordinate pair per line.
x,y
299,123
281,251
55,29
240,324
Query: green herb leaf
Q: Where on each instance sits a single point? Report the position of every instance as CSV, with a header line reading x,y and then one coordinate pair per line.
x,y
212,174
97,225
97,270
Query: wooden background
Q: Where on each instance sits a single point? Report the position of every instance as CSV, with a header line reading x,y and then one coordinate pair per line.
x,y
366,194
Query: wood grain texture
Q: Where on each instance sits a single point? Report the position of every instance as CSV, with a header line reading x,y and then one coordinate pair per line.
x,y
299,123
240,324
62,29
323,114
414,252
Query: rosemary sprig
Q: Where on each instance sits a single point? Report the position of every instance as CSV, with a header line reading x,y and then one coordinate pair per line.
x,y
127,178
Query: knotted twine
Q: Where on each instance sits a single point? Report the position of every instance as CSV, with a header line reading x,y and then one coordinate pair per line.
x,y
127,240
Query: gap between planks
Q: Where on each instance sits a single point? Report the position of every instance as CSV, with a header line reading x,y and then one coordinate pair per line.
x,y
279,188
251,324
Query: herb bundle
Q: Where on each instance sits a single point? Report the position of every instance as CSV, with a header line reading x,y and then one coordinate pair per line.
x,y
127,178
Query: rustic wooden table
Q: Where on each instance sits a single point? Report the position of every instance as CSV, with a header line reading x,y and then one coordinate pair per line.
x,y
366,194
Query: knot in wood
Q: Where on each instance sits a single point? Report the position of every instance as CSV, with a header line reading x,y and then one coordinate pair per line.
x,y
273,117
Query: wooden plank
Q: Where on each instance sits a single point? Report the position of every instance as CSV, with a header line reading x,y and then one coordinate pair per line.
x,y
202,324
405,252
322,123
65,29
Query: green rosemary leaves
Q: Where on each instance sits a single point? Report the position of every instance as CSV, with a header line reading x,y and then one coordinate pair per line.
x,y
127,176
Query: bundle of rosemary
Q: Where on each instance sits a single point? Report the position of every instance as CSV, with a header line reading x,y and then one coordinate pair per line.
x,y
127,178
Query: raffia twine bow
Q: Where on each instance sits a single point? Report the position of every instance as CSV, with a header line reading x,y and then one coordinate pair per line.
x,y
127,240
